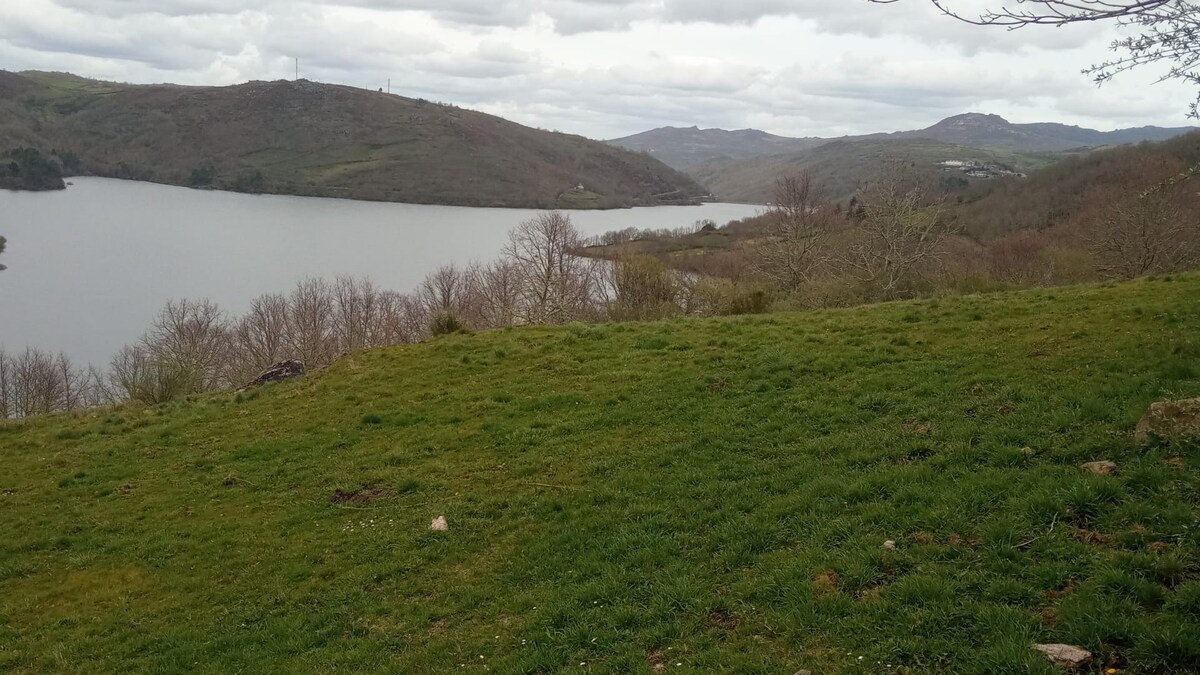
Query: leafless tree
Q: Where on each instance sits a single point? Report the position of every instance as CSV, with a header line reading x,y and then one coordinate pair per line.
x,y
355,311
496,290
259,338
191,338
556,286
900,230
1146,235
401,320
310,328
800,219
137,375
1167,31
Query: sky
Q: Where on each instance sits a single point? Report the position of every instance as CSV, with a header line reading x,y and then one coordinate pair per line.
x,y
610,68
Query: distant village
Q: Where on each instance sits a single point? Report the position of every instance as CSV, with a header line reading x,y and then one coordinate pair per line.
x,y
977,169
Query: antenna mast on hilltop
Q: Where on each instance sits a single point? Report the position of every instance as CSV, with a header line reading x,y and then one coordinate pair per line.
x,y
297,69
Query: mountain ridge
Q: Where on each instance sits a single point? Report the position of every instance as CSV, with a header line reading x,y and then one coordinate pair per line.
x,y
688,148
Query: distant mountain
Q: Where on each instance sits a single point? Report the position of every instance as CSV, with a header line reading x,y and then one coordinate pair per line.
x,y
687,149
993,131
307,138
691,147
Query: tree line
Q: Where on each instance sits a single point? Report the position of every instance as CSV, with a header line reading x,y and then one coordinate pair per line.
x,y
193,346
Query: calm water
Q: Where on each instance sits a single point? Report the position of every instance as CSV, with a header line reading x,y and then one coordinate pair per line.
x,y
89,267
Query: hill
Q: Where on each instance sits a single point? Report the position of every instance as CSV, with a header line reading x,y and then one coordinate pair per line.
x,y
995,132
841,166
1079,188
692,495
687,149
308,138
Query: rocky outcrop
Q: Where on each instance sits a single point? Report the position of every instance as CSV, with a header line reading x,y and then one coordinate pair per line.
x,y
284,370
1170,420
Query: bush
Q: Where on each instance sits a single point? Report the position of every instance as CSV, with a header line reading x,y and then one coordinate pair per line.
x,y
722,297
445,323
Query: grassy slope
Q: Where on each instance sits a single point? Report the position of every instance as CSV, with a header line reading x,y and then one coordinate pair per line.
x,y
842,166
328,140
723,490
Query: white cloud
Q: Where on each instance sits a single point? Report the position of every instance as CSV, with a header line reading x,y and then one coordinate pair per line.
x,y
610,67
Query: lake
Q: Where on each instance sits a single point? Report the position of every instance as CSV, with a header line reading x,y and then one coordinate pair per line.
x,y
89,267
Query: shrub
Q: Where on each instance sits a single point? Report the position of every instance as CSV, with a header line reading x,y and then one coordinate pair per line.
x,y
445,323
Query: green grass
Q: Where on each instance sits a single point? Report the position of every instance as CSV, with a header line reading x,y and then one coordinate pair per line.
x,y
706,495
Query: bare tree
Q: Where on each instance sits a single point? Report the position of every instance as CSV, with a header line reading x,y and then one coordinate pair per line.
x,y
259,338
401,320
190,337
3,244
1167,31
556,286
355,311
1147,235
800,218
136,375
310,323
496,290
900,230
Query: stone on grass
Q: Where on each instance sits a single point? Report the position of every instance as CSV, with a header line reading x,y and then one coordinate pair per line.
x,y
889,545
1170,420
1103,467
803,672
284,370
1068,656
439,524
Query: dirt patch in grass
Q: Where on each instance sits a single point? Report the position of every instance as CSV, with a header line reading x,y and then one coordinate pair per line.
x,y
363,495
825,583
722,620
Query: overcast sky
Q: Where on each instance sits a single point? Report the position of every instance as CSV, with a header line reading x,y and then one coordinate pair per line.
x,y
607,68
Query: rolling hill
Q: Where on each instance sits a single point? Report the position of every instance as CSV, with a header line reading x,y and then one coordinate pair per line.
x,y
308,138
891,489
687,149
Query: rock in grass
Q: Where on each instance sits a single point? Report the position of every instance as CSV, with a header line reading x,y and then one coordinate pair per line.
x,y
889,545
284,370
439,524
803,672
1170,420
1104,467
1068,656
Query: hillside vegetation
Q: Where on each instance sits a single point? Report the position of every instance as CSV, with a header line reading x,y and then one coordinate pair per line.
x,y
308,138
694,495
840,167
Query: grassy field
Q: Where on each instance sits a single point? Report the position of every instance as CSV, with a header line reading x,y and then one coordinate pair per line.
x,y
684,496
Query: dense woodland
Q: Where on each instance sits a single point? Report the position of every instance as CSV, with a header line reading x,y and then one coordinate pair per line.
x,y
29,169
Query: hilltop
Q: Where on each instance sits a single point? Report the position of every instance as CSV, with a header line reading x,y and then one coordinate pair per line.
x,y
308,138
689,149
698,495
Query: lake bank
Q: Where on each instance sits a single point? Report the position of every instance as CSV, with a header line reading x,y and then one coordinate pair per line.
x,y
90,266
